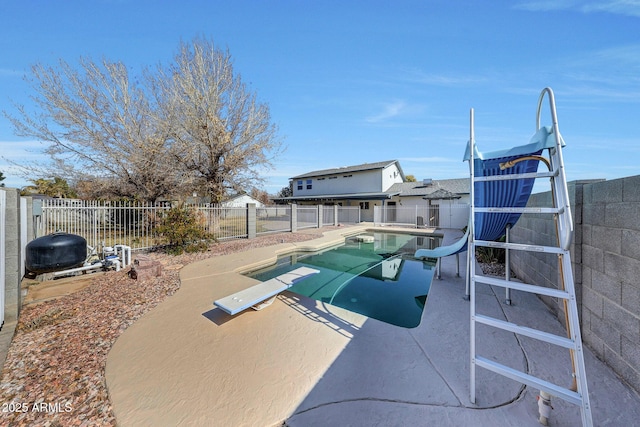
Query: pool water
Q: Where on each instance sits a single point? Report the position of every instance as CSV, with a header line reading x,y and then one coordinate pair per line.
x,y
374,274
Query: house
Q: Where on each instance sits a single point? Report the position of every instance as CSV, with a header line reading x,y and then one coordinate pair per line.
x,y
375,184
240,201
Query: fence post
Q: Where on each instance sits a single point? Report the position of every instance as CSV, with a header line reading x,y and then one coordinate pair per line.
x,y
320,216
335,215
251,221
294,218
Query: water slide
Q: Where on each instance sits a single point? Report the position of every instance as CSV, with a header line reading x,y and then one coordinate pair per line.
x,y
507,193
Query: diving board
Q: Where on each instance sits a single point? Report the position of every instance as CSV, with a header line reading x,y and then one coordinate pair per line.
x,y
257,294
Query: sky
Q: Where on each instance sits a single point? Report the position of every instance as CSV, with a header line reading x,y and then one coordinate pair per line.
x,y
351,82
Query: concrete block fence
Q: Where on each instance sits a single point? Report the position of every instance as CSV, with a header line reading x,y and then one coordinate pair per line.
x,y
606,264
15,229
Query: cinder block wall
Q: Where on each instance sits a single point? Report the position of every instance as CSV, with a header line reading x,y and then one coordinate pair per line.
x,y
12,292
606,265
540,268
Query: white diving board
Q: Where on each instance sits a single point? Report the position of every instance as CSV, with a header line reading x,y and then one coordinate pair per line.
x,y
254,295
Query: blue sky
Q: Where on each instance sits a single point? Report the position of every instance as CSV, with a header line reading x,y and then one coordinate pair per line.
x,y
350,82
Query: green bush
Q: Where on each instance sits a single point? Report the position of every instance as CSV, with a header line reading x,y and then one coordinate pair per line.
x,y
181,229
487,255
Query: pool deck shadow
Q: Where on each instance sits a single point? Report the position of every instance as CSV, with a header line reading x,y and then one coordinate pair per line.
x,y
306,363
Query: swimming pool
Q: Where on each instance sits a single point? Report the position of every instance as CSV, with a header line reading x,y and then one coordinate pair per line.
x,y
374,274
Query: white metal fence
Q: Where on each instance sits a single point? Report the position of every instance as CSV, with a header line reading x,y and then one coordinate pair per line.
x,y
131,224
273,219
444,215
307,216
135,224
349,214
328,215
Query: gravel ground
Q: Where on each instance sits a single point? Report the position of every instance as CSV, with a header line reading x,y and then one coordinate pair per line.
x,y
54,371
494,269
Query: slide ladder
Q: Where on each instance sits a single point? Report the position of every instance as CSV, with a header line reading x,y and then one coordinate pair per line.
x,y
561,211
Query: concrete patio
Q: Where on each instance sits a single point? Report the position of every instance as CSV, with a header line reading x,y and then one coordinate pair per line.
x,y
305,363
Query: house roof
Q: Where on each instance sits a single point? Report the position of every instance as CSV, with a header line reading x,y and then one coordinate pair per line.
x,y
237,196
437,189
355,168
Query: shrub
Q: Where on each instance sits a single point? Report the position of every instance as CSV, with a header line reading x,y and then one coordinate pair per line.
x,y
489,255
182,231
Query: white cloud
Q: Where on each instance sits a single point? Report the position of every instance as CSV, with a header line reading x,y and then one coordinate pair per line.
x,y
429,159
389,111
10,73
619,7
546,5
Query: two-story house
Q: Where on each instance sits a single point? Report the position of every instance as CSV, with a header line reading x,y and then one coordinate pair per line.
x,y
373,184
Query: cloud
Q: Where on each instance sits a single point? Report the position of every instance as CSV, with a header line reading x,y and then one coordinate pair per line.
x,y
618,7
429,159
20,150
415,75
546,5
389,111
10,72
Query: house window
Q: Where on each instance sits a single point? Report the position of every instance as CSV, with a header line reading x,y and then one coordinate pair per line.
x,y
347,176
333,177
308,184
364,205
299,184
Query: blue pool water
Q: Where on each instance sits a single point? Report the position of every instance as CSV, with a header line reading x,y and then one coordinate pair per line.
x,y
377,277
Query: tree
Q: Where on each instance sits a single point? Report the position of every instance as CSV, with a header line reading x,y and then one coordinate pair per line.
x,y
223,137
56,187
100,126
2,178
410,178
285,192
157,134
260,195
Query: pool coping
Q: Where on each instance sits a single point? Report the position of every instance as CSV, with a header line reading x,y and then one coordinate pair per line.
x,y
306,363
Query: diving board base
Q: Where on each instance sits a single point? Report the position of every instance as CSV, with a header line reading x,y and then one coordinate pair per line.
x,y
264,304
257,296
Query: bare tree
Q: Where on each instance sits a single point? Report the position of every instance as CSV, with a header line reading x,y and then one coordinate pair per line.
x,y
223,137
99,127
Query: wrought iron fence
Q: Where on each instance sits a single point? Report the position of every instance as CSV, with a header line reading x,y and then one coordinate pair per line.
x,y
131,223
224,222
135,224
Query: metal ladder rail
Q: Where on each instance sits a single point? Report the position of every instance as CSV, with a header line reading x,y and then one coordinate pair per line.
x,y
565,231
